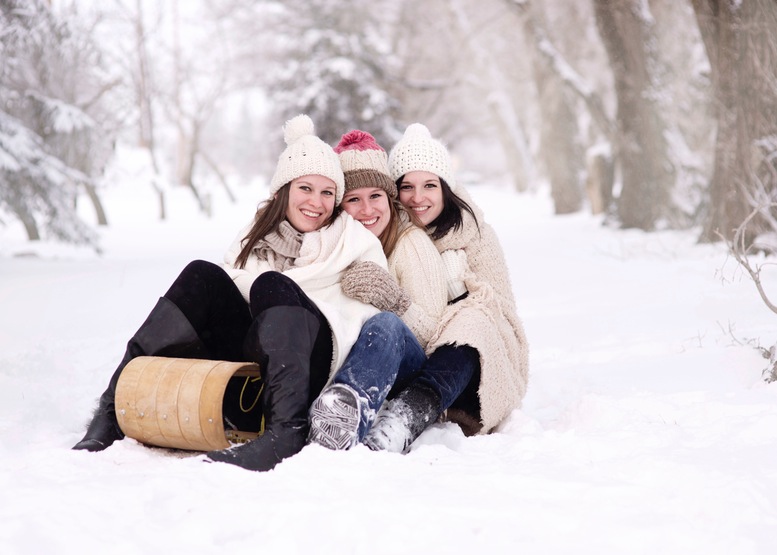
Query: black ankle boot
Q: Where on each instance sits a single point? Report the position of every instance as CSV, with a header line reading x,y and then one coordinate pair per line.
x,y
166,332
281,339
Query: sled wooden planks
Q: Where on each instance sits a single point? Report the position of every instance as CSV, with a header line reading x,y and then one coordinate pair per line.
x,y
176,402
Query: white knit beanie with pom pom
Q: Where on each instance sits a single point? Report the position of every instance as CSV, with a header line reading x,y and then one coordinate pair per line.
x,y
418,151
306,154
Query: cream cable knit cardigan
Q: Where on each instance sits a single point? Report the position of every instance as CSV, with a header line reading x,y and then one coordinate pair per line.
x,y
324,256
486,320
417,267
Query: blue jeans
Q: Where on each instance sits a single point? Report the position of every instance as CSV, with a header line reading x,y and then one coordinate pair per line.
x,y
386,352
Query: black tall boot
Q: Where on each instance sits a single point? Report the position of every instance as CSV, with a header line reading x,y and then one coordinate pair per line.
x,y
166,332
401,420
281,339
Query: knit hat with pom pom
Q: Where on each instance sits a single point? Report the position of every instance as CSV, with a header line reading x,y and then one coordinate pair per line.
x,y
306,154
418,151
364,163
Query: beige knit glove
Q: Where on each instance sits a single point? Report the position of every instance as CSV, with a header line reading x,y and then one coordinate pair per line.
x,y
369,283
454,263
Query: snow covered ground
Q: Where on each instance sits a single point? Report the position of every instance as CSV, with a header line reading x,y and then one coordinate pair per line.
x,y
647,427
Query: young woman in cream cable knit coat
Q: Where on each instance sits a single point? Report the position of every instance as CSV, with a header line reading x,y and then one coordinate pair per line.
x,y
277,301
478,357
389,349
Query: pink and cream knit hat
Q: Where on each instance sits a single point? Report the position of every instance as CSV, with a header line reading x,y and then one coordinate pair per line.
x,y
364,163
306,154
418,151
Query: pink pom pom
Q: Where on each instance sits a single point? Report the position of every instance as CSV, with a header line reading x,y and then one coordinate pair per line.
x,y
357,140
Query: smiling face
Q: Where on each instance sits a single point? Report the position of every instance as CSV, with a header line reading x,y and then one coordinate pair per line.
x,y
370,207
421,192
311,202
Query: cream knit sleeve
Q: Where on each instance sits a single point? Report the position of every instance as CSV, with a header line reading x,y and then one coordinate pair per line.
x,y
417,267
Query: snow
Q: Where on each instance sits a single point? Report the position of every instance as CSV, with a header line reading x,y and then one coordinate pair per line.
x,y
647,427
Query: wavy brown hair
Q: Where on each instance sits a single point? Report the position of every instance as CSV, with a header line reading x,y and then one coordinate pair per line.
x,y
391,235
269,216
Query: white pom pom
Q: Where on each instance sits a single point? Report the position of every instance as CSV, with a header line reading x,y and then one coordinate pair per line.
x,y
297,127
417,131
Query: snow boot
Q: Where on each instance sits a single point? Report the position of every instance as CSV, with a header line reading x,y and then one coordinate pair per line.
x,y
166,332
402,419
281,340
334,418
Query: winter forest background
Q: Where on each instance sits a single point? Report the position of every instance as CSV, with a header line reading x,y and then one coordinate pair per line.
x,y
625,152
659,114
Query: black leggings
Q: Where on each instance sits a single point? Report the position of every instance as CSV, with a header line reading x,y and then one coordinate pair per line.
x,y
214,306
212,303
273,289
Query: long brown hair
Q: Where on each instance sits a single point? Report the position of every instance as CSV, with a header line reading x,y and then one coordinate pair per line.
x,y
269,216
391,235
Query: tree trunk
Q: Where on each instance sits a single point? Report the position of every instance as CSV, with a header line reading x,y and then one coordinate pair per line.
x,y
741,43
219,175
647,175
30,225
560,149
146,115
91,192
186,165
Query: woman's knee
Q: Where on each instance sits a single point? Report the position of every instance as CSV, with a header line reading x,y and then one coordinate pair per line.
x,y
200,268
199,278
385,324
275,289
383,320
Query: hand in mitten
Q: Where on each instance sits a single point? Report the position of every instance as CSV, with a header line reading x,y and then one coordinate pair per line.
x,y
454,263
369,283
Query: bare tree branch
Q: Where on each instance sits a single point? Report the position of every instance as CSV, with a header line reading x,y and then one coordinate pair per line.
x,y
740,251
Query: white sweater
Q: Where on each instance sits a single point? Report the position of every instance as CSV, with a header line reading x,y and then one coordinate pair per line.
x,y
324,256
417,267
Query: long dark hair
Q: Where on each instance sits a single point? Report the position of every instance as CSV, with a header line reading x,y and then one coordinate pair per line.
x,y
269,216
450,217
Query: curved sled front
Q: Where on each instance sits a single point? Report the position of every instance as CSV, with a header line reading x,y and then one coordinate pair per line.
x,y
176,402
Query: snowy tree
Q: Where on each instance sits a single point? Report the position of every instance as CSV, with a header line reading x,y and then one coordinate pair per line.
x,y
494,89
460,69
48,143
333,63
37,187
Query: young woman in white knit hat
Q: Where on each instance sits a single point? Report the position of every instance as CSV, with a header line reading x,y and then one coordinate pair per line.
x,y
412,294
276,300
477,369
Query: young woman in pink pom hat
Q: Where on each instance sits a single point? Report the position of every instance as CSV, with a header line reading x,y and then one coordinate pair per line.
x,y
412,295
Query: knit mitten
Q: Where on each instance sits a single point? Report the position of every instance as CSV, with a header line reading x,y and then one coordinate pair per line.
x,y
369,283
454,263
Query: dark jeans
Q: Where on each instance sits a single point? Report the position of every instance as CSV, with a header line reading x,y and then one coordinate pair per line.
x,y
385,352
453,373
